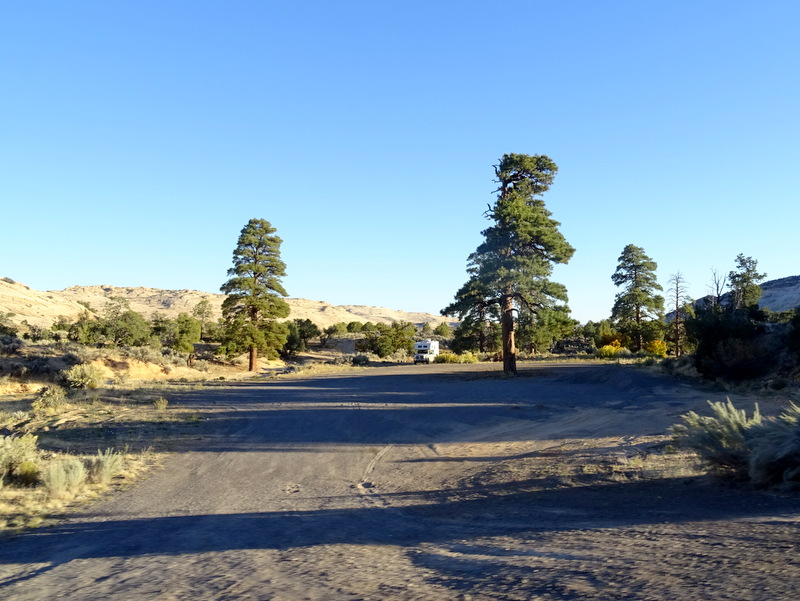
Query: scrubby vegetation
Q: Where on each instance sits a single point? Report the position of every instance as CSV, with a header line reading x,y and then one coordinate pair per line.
x,y
456,358
762,450
384,341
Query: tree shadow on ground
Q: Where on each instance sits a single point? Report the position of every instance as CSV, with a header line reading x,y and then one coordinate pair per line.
x,y
493,513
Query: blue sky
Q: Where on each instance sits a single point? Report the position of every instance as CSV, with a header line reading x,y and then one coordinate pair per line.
x,y
137,139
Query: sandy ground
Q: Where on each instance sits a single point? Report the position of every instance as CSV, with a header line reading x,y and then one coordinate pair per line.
x,y
431,483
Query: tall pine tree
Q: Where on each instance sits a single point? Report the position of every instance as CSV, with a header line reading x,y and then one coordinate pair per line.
x,y
255,292
511,268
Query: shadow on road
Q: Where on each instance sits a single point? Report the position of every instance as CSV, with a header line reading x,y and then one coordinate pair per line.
x,y
396,406
581,508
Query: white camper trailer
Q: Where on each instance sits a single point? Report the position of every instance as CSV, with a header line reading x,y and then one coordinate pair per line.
x,y
425,351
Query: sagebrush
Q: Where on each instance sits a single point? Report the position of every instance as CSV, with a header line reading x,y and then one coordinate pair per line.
x,y
763,450
105,465
83,375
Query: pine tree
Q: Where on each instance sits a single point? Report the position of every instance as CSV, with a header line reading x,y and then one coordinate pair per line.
x,y
637,309
255,294
510,269
744,282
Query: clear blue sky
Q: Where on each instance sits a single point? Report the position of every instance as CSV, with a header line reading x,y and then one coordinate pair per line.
x,y
137,139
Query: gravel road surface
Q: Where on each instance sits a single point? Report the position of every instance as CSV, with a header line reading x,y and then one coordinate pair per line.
x,y
421,483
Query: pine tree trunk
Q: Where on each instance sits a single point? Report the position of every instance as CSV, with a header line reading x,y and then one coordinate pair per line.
x,y
253,358
509,345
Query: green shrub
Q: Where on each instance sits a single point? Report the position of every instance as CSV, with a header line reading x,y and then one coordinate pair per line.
x,y
63,477
764,450
16,450
360,360
82,376
104,466
775,450
27,473
160,404
50,399
721,441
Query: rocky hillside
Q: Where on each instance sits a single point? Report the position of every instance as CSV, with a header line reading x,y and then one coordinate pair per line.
x,y
42,308
777,295
782,294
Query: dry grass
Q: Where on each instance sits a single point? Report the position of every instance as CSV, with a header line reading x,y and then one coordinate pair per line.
x,y
67,470
22,508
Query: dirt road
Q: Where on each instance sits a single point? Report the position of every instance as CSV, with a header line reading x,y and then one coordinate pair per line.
x,y
425,483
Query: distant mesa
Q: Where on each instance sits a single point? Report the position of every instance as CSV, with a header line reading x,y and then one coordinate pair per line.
x,y
777,295
42,308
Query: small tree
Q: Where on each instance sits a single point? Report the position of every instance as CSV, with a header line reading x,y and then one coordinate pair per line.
x,y
744,282
717,287
539,332
294,342
203,313
87,329
444,330
123,326
327,334
187,334
730,337
300,331
482,336
637,309
163,328
307,329
255,292
354,327
388,339
681,308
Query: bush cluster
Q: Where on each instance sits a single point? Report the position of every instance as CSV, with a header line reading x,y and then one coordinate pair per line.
x,y
465,357
104,466
732,344
83,375
17,454
613,350
63,477
9,345
657,348
360,360
765,451
50,399
386,341
22,465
